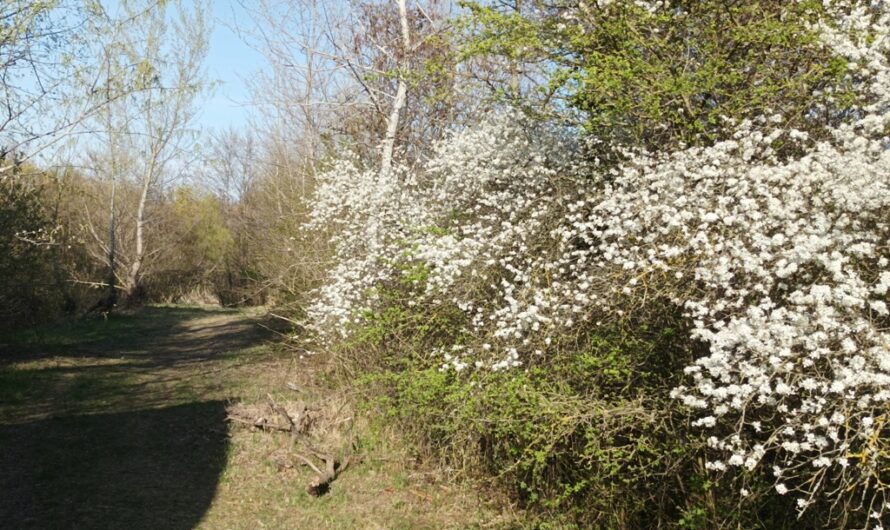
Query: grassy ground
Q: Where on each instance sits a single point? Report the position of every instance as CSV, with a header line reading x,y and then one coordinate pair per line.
x,y
122,423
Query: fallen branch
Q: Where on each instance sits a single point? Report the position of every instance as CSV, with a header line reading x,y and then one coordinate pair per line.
x,y
296,426
259,423
322,483
309,463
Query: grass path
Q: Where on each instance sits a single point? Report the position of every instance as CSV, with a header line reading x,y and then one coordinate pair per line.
x,y
121,424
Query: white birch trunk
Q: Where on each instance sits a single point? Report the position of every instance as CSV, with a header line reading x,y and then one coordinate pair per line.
x,y
392,125
135,274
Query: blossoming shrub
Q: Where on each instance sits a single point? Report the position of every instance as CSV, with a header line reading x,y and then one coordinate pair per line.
x,y
588,438
549,266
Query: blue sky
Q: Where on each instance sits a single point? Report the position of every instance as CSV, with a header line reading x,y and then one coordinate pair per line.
x,y
230,62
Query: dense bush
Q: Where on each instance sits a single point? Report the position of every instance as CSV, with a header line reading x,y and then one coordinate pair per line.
x,y
587,434
24,229
37,257
657,73
763,256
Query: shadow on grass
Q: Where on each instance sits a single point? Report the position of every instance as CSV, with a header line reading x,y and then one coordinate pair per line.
x,y
155,468
118,423
158,356
146,328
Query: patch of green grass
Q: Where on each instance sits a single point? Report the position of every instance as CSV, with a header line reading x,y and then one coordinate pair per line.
x,y
17,386
79,333
108,423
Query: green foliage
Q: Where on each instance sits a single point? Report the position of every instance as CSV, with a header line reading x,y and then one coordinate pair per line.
x,y
672,75
399,336
37,260
585,436
25,230
194,225
204,237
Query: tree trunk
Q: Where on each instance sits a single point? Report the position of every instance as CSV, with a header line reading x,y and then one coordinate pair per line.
x,y
134,276
392,125
111,297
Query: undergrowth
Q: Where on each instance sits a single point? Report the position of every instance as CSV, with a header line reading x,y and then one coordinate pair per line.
x,y
585,436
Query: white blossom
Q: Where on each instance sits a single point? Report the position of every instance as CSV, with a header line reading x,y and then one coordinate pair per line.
x,y
779,265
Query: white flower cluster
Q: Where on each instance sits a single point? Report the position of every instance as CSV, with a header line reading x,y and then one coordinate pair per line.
x,y
471,209
781,266
785,265
365,211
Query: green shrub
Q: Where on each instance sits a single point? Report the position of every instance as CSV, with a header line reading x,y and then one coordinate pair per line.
x,y
585,437
36,258
659,74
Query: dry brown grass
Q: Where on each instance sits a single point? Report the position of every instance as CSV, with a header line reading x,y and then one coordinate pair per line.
x,y
264,485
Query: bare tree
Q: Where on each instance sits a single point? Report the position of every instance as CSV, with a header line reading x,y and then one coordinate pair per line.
x,y
372,73
148,137
233,165
50,72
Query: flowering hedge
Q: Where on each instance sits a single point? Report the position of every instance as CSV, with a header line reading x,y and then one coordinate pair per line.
x,y
779,264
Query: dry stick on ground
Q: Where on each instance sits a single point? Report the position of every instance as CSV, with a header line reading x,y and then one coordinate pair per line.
x,y
259,423
321,483
295,388
297,426
294,426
